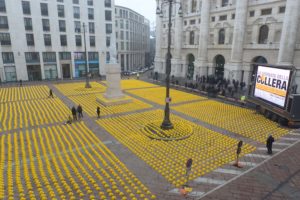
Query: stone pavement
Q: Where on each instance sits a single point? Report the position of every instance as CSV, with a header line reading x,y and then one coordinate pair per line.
x,y
276,179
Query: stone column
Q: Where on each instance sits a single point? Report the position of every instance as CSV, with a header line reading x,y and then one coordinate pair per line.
x,y
289,37
202,60
158,60
176,61
289,33
234,67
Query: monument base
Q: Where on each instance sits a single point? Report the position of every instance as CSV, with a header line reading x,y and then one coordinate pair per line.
x,y
106,101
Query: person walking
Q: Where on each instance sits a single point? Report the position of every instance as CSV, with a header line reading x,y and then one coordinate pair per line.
x,y
74,113
98,112
270,141
79,110
51,93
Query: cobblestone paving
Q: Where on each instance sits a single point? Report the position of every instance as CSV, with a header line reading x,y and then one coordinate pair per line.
x,y
262,176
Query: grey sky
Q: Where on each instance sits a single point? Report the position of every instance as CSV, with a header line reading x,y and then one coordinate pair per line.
x,y
144,7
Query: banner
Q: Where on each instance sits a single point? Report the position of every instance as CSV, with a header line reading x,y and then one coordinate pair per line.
x,y
272,84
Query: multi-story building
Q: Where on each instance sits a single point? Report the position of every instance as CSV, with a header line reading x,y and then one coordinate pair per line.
x,y
45,39
133,39
227,37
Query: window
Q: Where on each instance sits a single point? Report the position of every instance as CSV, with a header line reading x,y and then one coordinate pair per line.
x,y
2,6
232,16
47,39
63,40
122,45
60,1
224,3
93,56
194,6
91,27
90,2
223,17
78,40
44,9
3,22
79,55
77,26
76,12
127,35
213,19
26,7
108,15
282,9
92,41
127,25
62,25
75,1
192,22
107,3
8,57
252,13
61,10
267,11
121,23
32,57
30,39
192,37
5,39
64,55
107,41
49,57
222,36
91,13
108,28
263,34
46,24
185,23
28,24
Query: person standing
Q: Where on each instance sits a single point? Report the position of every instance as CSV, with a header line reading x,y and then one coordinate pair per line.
x,y
98,112
79,110
21,83
51,93
270,141
74,113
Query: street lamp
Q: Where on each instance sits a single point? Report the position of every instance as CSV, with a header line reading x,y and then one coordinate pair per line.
x,y
87,82
167,124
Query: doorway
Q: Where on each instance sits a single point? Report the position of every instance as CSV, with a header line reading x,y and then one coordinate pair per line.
x,y
66,70
34,72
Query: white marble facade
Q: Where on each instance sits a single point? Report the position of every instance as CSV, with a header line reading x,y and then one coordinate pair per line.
x,y
231,35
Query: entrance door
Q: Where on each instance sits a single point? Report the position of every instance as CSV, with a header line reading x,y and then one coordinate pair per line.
x,y
66,71
34,72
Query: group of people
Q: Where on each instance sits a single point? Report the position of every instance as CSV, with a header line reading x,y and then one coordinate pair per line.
x,y
77,113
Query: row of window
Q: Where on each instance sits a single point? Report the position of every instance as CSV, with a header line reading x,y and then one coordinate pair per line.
x,y
262,38
30,57
5,40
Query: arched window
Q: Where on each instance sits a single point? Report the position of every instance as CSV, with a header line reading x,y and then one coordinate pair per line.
x,y
222,36
224,3
194,6
192,37
263,34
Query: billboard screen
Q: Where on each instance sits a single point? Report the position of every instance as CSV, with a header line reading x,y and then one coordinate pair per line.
x,y
272,84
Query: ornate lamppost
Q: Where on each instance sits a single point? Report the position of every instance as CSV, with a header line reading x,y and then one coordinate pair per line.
x,y
87,82
167,124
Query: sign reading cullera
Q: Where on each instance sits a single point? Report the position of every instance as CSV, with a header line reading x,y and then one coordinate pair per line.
x,y
272,84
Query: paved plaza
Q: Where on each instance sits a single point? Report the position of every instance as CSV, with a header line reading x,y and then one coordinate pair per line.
x,y
119,157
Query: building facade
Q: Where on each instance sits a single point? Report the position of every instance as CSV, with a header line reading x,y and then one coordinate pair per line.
x,y
45,39
226,38
133,39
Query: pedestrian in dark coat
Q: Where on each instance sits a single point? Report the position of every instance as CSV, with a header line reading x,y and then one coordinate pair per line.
x,y
79,110
270,141
98,112
51,93
74,113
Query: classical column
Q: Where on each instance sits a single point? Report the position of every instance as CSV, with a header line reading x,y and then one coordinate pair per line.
x,y
202,60
234,67
289,33
176,61
289,37
158,60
